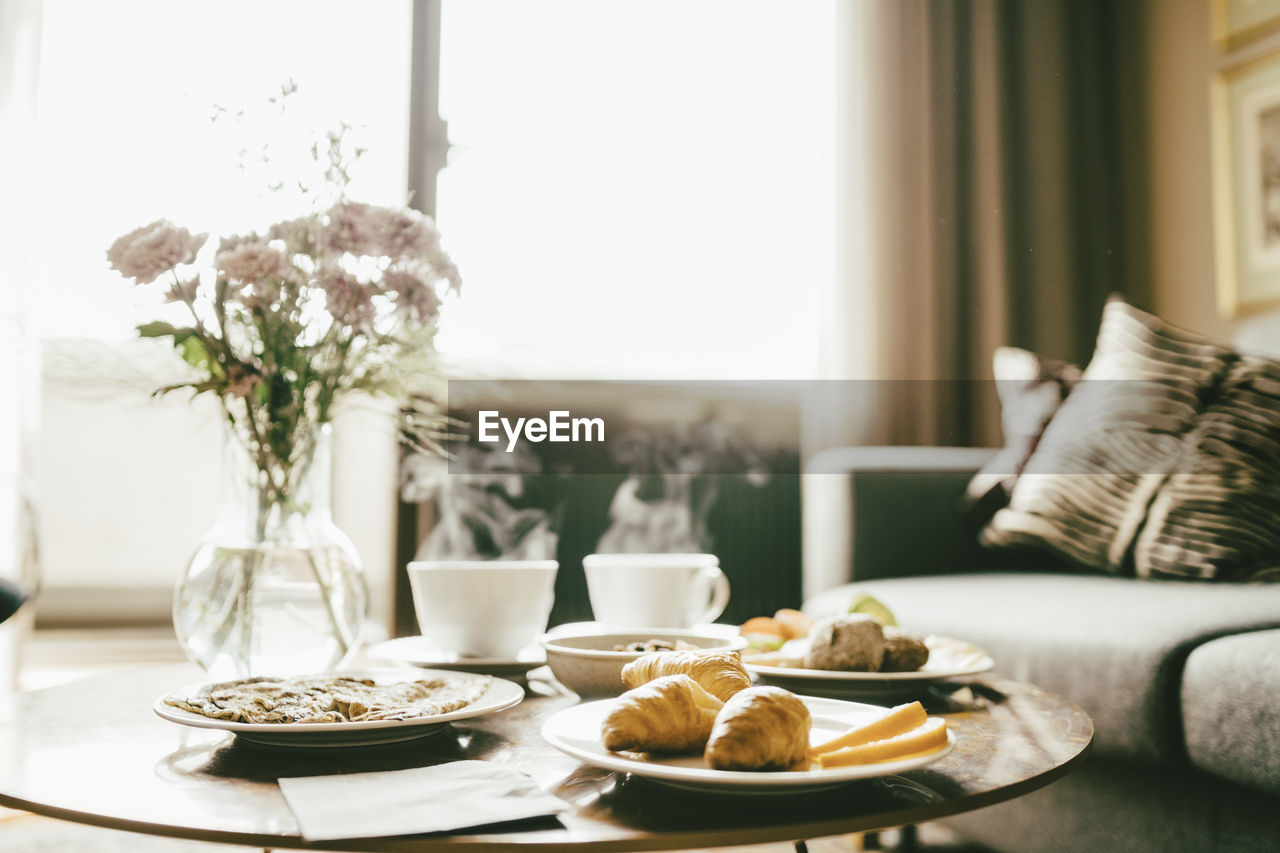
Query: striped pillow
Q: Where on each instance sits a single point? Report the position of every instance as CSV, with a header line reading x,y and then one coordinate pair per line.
x,y
1031,389
1218,514
1085,491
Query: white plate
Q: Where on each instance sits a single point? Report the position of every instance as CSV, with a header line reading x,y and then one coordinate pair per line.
x,y
419,651
500,696
948,658
575,731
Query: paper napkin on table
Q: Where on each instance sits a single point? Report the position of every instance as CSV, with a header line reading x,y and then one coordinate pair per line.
x,y
406,802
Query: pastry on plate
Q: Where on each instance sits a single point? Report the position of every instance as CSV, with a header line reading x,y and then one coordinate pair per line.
x,y
761,728
330,699
668,714
853,643
903,652
720,673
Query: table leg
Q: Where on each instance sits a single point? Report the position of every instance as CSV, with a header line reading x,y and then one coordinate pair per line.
x,y
801,847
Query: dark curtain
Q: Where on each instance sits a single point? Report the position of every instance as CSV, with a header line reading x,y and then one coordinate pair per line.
x,y
1006,153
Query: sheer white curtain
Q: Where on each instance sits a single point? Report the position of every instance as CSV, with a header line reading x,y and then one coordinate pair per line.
x,y
19,61
125,95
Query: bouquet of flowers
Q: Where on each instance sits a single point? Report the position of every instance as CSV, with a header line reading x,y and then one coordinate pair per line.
x,y
281,325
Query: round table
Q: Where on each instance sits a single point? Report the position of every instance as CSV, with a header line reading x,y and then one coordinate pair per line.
x,y
92,751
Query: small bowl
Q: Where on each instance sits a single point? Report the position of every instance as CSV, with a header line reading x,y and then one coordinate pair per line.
x,y
587,664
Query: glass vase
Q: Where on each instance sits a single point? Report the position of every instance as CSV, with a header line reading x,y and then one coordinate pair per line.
x,y
274,588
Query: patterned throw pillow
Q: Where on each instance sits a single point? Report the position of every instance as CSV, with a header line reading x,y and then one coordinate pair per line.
x,y
1030,389
1218,514
1085,491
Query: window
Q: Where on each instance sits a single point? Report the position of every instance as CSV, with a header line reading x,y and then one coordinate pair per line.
x,y
636,189
125,96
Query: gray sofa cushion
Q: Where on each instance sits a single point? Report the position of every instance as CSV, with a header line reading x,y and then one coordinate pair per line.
x,y
1231,708
1113,645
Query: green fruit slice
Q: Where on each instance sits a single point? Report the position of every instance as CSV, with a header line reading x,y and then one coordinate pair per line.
x,y
871,606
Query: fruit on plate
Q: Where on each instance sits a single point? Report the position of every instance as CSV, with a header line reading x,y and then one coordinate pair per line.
x,y
793,623
768,633
873,607
762,633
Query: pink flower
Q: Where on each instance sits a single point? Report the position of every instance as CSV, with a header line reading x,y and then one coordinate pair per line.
x,y
146,253
183,291
409,234
413,295
447,270
296,234
353,227
401,235
252,260
261,294
349,301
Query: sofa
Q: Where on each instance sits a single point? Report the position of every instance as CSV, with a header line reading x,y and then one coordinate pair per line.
x,y
1182,678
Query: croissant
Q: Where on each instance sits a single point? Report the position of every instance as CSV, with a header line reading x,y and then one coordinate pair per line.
x,y
720,673
763,728
668,714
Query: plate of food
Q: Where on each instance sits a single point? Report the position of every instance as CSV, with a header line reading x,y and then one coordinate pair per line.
x,y
420,651
676,729
339,709
863,652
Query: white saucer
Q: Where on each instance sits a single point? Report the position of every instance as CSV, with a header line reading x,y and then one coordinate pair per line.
x,y
419,651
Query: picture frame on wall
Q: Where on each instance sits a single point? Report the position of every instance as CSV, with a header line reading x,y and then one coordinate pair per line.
x,y
1246,153
1240,22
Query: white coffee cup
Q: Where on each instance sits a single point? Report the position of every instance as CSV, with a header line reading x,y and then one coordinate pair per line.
x,y
655,590
483,608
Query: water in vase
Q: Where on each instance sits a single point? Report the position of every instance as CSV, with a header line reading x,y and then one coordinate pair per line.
x,y
270,609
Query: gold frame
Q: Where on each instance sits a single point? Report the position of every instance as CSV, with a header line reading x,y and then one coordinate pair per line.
x,y
1228,40
1248,259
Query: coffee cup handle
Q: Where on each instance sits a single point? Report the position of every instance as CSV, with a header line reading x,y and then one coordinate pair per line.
x,y
719,594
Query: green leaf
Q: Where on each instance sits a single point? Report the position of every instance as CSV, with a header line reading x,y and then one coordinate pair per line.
x,y
160,329
194,352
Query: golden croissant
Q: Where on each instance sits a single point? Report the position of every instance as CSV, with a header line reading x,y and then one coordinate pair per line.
x,y
720,673
668,714
763,728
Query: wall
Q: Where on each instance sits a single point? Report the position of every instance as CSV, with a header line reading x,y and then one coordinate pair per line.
x,y
1182,60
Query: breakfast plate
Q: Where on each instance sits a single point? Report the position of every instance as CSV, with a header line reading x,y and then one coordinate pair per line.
x,y
948,658
419,651
575,731
499,696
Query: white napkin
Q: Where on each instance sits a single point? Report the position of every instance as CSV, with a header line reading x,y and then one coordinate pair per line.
x,y
406,802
